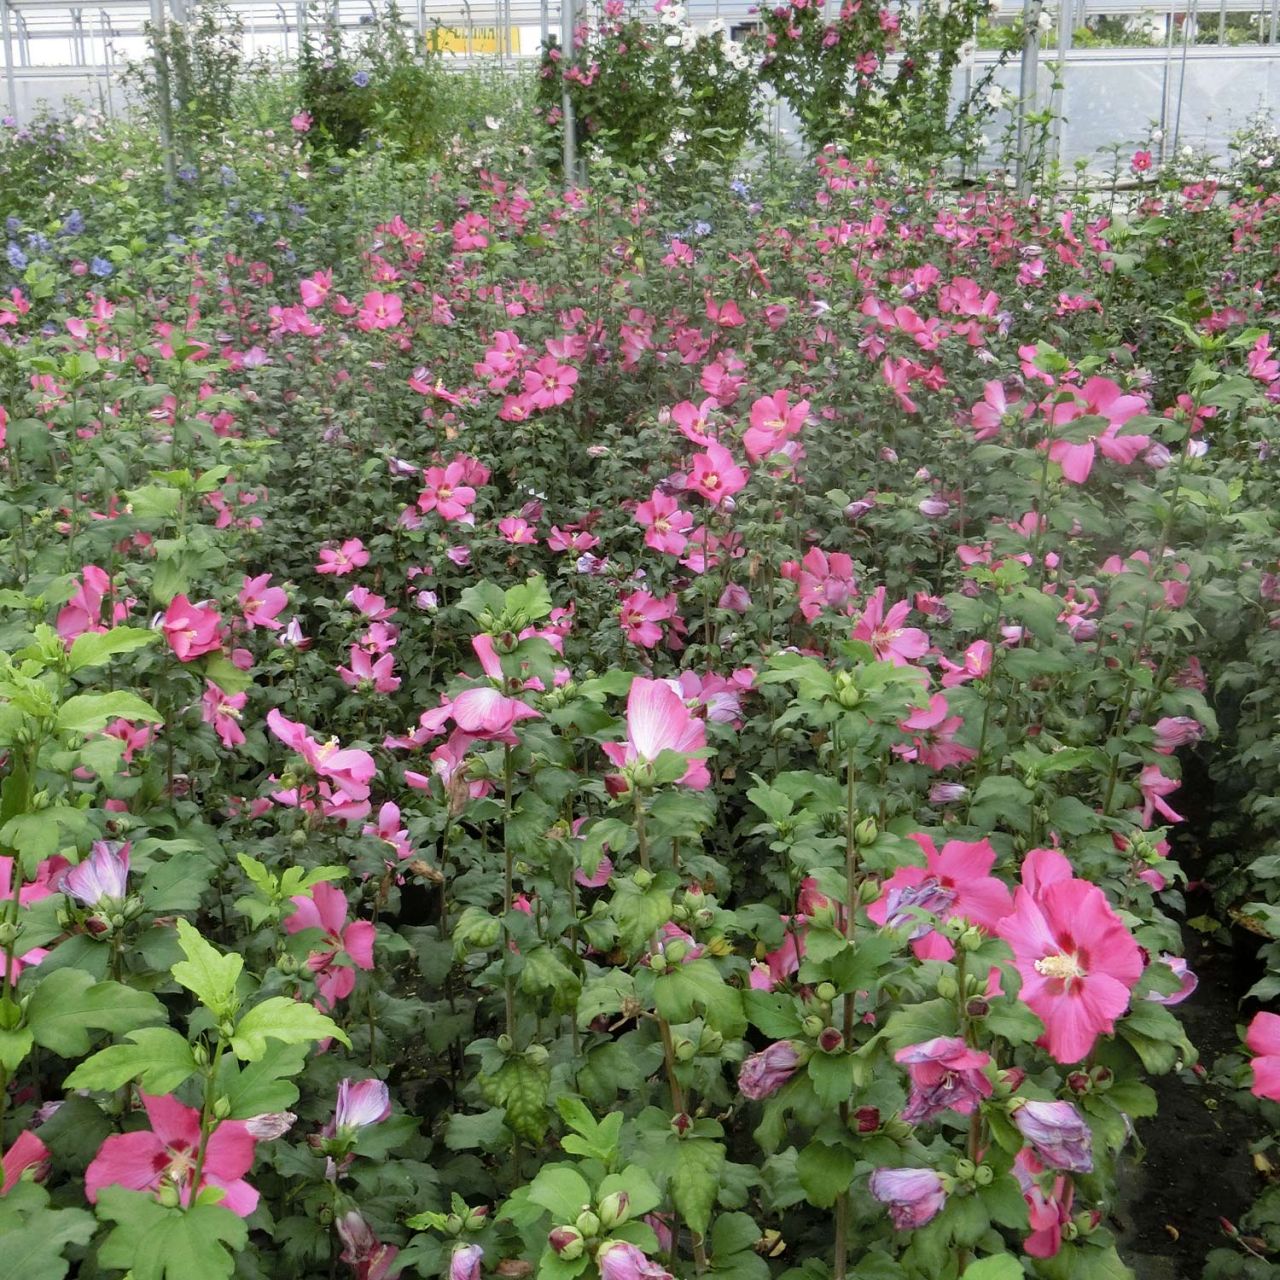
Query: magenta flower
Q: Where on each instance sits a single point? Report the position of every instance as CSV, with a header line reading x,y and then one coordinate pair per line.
x,y
261,604
549,383
389,830
380,311
642,616
953,882
715,475
315,288
883,630
946,1075
620,1260
102,876
1049,1204
1077,960
1103,398
658,721
192,630
223,712
1263,1040
518,530
1154,787
326,909
914,1196
773,423
764,1073
364,672
349,769
342,560
167,1153
1058,1133
447,492
27,1152
666,526
83,612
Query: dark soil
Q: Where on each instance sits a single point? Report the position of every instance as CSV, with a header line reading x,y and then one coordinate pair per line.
x,y
1197,1167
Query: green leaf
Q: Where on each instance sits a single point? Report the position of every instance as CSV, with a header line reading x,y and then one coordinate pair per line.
x,y
158,1058
562,1190
157,1243
264,1085
68,1005
89,712
485,1130
283,1019
695,1180
1001,1266
208,974
642,1195
832,1077
773,1013
35,1235
824,1172
697,988
93,647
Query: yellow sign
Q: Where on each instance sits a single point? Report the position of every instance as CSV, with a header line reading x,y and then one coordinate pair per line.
x,y
473,40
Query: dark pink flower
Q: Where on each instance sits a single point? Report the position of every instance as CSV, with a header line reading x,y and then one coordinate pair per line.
x,y
192,630
882,629
27,1152
167,1153
1077,960
946,1075
1263,1040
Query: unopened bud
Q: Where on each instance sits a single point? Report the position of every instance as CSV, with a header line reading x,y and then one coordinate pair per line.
x,y
831,1040
947,986
965,1169
866,832
825,991
613,1209
813,1025
588,1224
505,1043
976,1007
984,1175
567,1242
686,1050
867,1119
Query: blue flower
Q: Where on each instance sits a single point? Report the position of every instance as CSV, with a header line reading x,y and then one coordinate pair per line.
x,y
74,223
100,267
360,79
257,219
227,175
187,173
38,243
13,225
17,259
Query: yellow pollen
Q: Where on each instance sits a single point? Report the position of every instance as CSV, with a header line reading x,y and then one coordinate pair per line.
x,y
1065,967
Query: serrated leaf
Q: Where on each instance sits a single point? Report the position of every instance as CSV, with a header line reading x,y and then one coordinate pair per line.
x,y
262,1086
158,1058
697,988
157,1243
824,1172
283,1019
207,973
695,1180
69,1006
561,1190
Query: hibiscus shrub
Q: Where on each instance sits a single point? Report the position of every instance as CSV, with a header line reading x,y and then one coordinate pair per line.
x,y
542,740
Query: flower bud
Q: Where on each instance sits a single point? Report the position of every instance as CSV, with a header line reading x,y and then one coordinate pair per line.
x,y
298,839
813,1025
984,1175
867,1119
686,1050
643,879
710,1041
504,1043
947,986
866,832
477,1219
965,1169
567,1242
222,1108
588,1224
536,1054
613,1209
826,992
976,1007
831,1040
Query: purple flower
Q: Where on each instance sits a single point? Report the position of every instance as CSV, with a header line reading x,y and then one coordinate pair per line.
x,y
465,1263
1187,980
906,905
102,875
360,1103
764,1073
946,1075
914,1196
947,793
1173,732
619,1260
1058,1133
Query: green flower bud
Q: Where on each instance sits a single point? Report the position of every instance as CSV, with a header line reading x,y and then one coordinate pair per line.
x,y
984,1175
298,839
588,1224
965,1169
866,832
947,986
567,1242
813,1025
505,1043
613,1210
826,992
686,1051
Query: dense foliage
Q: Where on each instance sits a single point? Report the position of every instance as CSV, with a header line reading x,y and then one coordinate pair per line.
x,y
595,733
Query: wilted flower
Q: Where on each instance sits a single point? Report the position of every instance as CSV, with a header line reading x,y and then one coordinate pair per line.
x,y
1058,1133
764,1073
914,1196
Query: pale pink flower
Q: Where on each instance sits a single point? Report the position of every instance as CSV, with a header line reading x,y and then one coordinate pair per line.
x,y
883,630
658,721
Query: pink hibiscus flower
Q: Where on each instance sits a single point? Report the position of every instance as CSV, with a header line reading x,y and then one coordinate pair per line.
x,y
883,630
325,908
1077,960
955,882
167,1153
1263,1040
658,721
